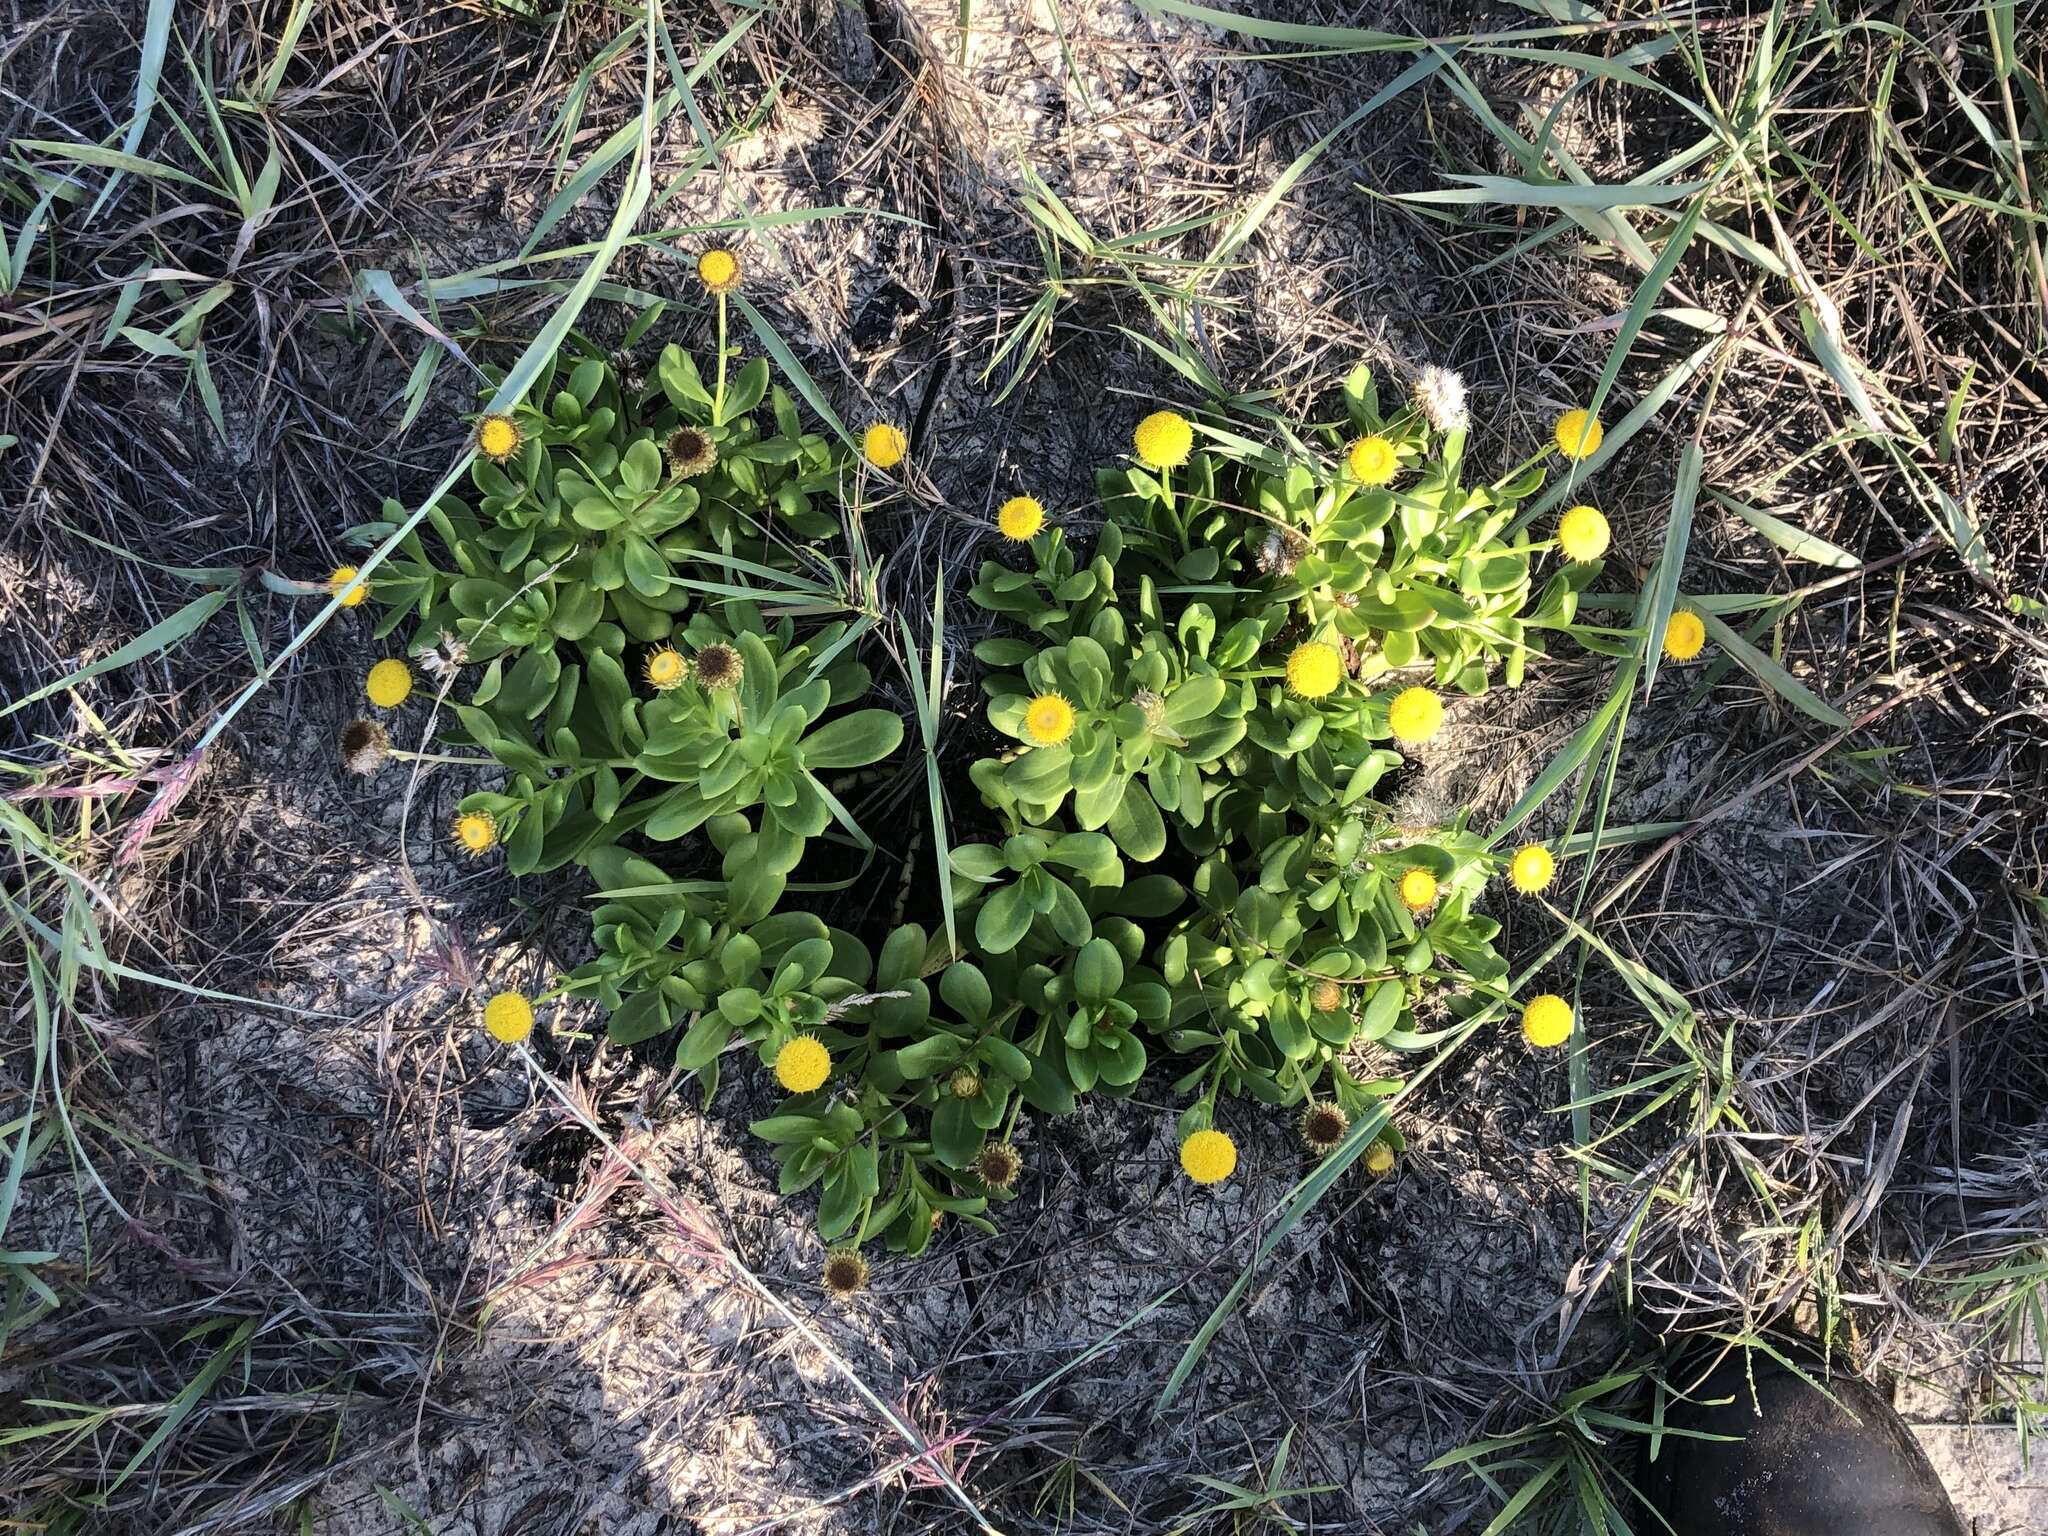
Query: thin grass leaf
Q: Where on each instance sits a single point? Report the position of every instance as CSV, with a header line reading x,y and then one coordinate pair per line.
x,y
156,41
1773,675
182,1405
792,369
1660,594
1793,540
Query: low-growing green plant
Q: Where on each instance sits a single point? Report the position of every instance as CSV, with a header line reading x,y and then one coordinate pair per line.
x,y
1188,857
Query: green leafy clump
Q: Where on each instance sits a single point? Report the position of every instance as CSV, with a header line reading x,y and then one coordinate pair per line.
x,y
1190,860
1270,936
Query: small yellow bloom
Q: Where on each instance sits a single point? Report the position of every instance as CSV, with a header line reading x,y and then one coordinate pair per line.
x,y
1020,517
1578,434
1208,1157
884,444
343,584
1582,534
1326,996
1415,715
389,683
498,437
665,669
1418,890
1379,1159
509,1017
1049,720
1164,440
1314,669
1372,460
718,270
475,832
803,1064
1531,869
1547,1021
1684,634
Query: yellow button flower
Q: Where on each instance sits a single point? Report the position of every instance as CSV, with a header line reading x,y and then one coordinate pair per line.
x,y
509,1017
389,683
1326,996
475,832
498,437
1049,720
1208,1157
1415,715
1547,1021
1020,517
343,584
884,445
1684,634
803,1064
1531,869
1314,669
1379,1159
718,270
1164,440
1582,534
665,669
1578,434
1418,890
1372,460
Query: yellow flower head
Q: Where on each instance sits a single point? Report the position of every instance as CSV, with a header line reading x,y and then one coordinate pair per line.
x,y
1049,720
1531,869
475,832
1208,1157
664,669
845,1273
509,1017
691,452
1372,460
1326,996
1578,434
1684,634
964,1084
1164,440
884,444
1418,890
1314,669
1379,1159
343,584
389,683
1415,715
1322,1127
720,666
718,270
1547,1021
803,1064
999,1165
1582,534
498,437
1020,517
364,746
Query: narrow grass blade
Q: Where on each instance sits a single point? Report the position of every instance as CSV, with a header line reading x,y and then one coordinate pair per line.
x,y
1772,675
1660,596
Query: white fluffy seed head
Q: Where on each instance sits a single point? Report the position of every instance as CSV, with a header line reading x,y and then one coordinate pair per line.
x,y
1440,396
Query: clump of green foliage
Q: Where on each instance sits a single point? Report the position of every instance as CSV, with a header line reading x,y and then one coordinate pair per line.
x,y
1196,864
